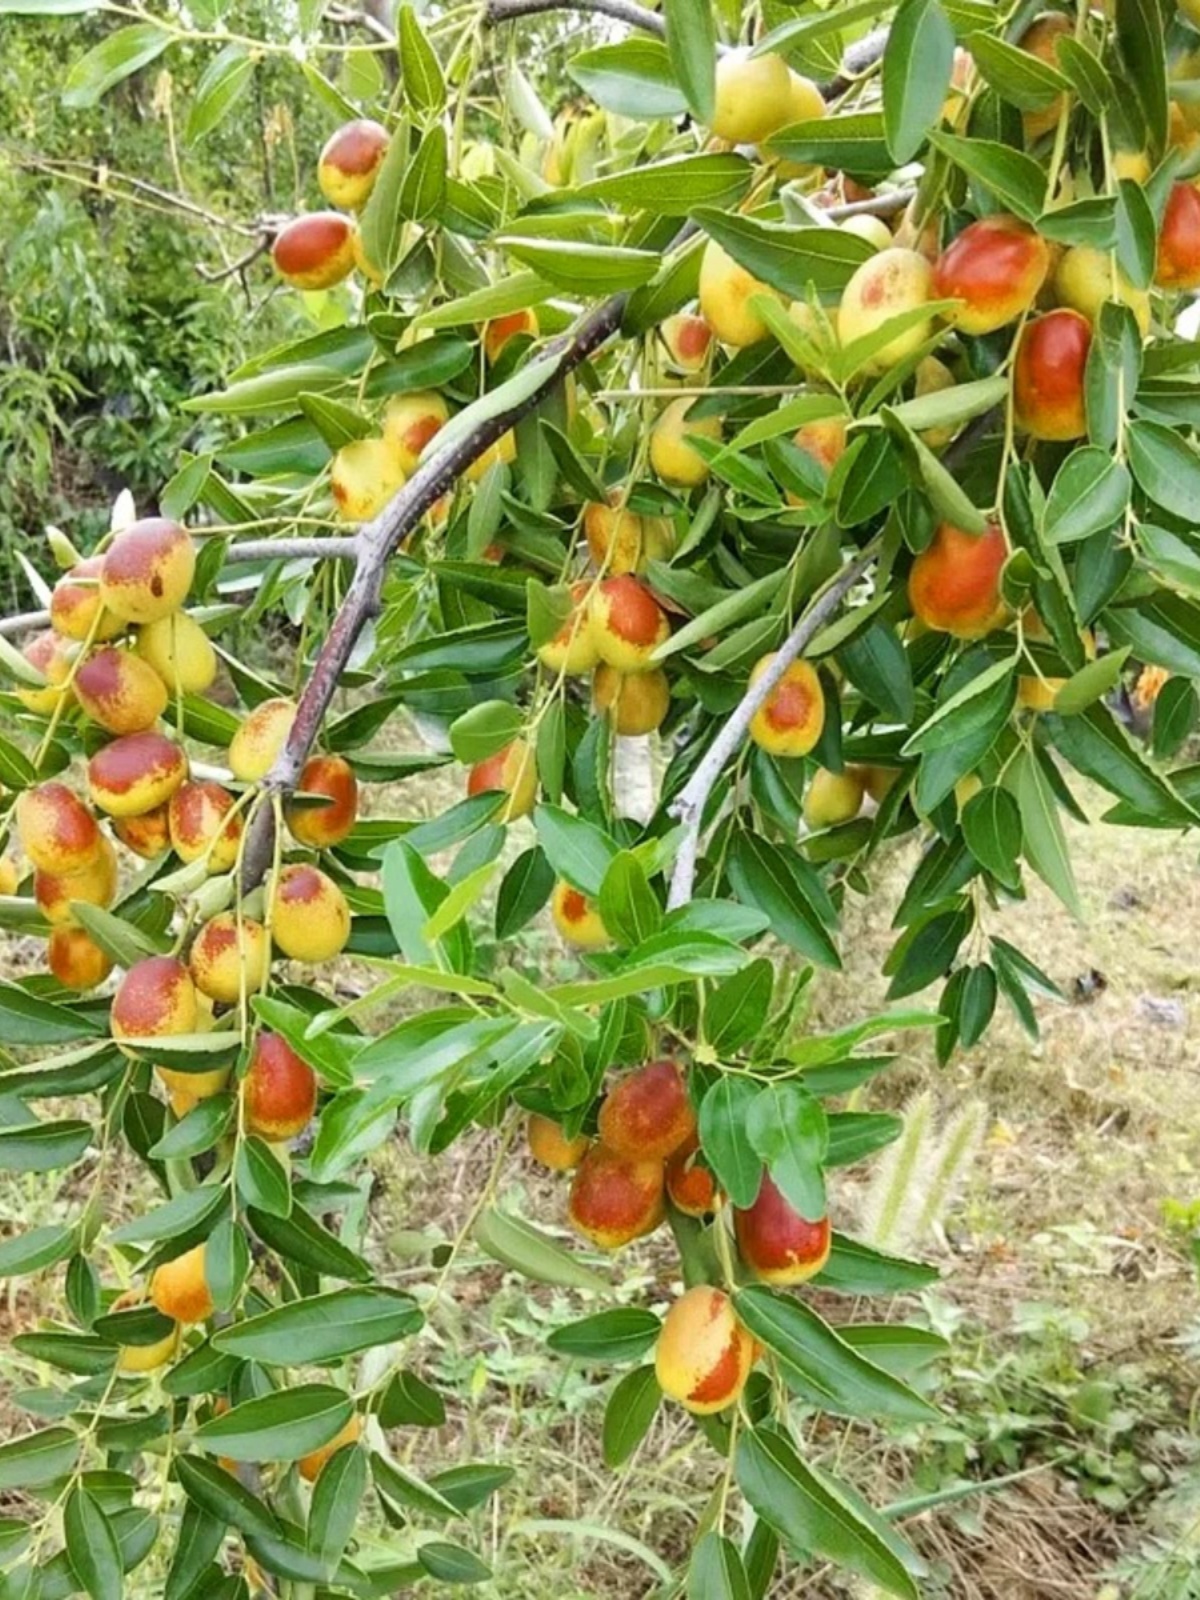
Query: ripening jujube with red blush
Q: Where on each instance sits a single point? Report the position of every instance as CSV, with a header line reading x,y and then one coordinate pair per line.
x,y
550,1146
577,918
1042,39
155,999
635,703
513,325
621,541
279,1091
179,1288
726,290
364,476
615,1199
1178,264
790,720
350,163
954,585
320,827
647,1114
688,340
136,773
47,653
628,623
995,268
201,824
147,570
256,745
512,770
691,1186
94,885
315,251
888,283
776,1242
147,835
572,650
56,829
75,603
704,1355
672,454
824,442
310,919
229,958
75,958
119,691
1049,397
410,421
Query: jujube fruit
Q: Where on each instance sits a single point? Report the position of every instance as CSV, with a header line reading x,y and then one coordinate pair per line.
x,y
47,653
315,251
691,1186
179,1288
156,999
890,282
364,476
74,604
147,835
350,163
514,324
647,1115
628,624
577,919
954,585
572,651
776,1242
1041,39
1049,395
790,720
136,773
75,958
310,919
309,1466
201,824
551,1146
57,831
147,570
635,703
615,1199
688,340
753,96
120,692
279,1091
180,651
995,268
94,884
410,421
833,797
725,292
135,1359
257,744
1178,264
321,827
229,958
704,1355
512,770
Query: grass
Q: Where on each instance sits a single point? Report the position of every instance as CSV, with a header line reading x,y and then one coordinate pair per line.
x,y
1067,1291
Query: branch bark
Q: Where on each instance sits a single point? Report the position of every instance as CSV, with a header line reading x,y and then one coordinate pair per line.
x,y
627,11
688,806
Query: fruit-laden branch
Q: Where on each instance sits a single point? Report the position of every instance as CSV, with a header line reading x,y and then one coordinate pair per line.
x,y
688,806
377,542
636,16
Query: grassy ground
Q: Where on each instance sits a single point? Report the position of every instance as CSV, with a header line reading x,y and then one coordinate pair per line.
x,y
1066,1288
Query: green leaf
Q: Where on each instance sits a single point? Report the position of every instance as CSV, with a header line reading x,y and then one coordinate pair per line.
x,y
855,1268
43,1146
115,58
877,664
814,1515
819,1366
187,1210
1140,44
523,892
223,83
423,191
991,825
1086,75
735,1162
200,1538
35,1249
1092,681
976,705
421,72
736,1009
786,257
577,850
926,952
278,1427
336,1497
38,1458
1089,494
674,186
1166,466
224,1497
406,1489
323,1328
717,1571
519,1245
1045,844
853,142
1176,712
450,1563
622,1334
1015,179
262,1179
917,62
632,1407
300,1238
27,1020
583,267
629,907
1017,75
788,1130
692,49
633,78
92,1547
786,891
381,224
1096,746
1137,234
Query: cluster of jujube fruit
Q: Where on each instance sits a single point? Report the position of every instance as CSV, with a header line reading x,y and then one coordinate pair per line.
x,y
645,1150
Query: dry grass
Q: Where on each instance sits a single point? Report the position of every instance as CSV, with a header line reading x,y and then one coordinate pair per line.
x,y
1058,1271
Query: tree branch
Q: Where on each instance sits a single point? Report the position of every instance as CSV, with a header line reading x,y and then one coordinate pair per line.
x,y
636,16
688,806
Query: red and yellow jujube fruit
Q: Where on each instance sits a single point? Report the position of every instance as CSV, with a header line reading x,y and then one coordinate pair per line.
x,y
179,1288
309,1466
790,720
1041,39
621,541
255,747
691,1186
200,824
135,1359
75,958
56,829
572,651
1048,376
229,958
513,770
833,797
635,703
136,773
647,1115
615,1199
279,1091
75,603
576,918
498,332
628,624
147,570
410,421
310,919
156,999
823,441
350,163
753,96
147,835
704,1355
94,885
687,339
119,691
315,251
187,1089
364,476
890,282
995,268
180,652
320,827
1178,265
725,291
549,1145
776,1242
1085,280
954,585
672,455
48,655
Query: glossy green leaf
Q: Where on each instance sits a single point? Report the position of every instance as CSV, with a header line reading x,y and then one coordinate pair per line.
x,y
278,1427
916,75
323,1328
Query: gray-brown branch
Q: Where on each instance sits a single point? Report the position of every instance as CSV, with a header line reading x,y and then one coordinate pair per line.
x,y
625,11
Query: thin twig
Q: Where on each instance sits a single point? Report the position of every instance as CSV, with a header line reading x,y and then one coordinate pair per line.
x,y
636,16
688,806
104,178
